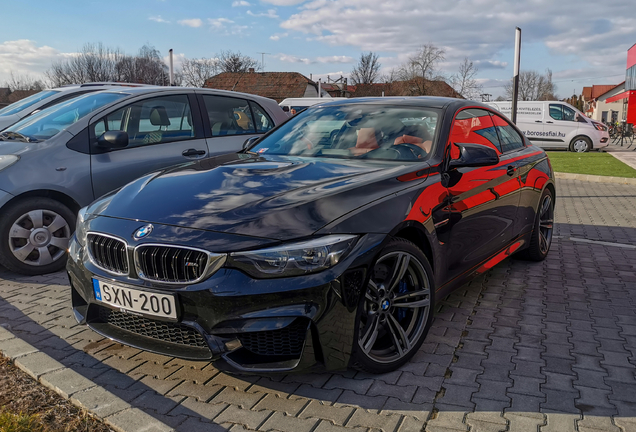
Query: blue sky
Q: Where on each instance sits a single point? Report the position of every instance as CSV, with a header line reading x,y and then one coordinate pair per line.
x,y
584,42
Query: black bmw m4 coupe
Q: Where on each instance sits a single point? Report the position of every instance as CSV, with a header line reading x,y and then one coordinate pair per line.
x,y
322,245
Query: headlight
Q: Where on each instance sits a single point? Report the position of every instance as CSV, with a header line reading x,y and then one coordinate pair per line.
x,y
8,160
80,228
294,258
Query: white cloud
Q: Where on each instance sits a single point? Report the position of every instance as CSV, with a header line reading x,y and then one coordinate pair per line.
x,y
292,59
283,2
271,13
278,36
335,59
490,64
240,3
157,18
194,22
590,31
25,57
219,23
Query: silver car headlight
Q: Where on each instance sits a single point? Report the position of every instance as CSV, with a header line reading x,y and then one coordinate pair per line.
x,y
294,259
80,228
8,160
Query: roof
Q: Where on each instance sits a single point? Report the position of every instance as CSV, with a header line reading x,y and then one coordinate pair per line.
x,y
405,88
598,90
273,85
587,93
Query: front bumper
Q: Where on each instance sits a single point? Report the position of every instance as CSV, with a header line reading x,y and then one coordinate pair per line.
x,y
240,323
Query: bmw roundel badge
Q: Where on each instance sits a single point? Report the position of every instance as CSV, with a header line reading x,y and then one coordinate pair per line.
x,y
143,232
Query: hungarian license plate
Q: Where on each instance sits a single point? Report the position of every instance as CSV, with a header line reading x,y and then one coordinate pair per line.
x,y
143,302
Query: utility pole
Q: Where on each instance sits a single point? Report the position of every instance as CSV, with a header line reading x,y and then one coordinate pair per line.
x,y
515,79
263,60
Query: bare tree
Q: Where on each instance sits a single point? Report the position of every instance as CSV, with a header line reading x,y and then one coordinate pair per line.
x,y
464,81
533,86
421,68
96,63
24,82
196,71
230,61
367,70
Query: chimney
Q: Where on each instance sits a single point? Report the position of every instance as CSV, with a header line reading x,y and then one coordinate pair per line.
x,y
251,70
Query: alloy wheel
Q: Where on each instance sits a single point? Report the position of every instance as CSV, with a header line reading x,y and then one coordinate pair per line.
x,y
396,307
39,237
580,145
546,224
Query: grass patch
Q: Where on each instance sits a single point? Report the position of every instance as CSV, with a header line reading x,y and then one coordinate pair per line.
x,y
10,422
603,164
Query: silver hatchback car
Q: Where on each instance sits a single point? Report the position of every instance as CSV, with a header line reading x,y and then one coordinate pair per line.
x,y
60,159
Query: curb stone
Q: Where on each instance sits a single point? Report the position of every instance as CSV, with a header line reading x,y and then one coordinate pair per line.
x,y
82,392
595,178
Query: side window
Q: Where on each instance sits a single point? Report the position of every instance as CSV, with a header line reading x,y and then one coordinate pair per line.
x,y
263,121
475,126
508,135
228,115
65,98
151,121
561,112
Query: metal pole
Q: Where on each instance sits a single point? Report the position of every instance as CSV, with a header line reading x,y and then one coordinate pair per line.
x,y
171,69
319,87
515,79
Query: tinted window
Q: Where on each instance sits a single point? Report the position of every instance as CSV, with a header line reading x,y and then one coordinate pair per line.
x,y
26,102
508,136
151,121
228,116
354,131
561,112
263,122
55,119
474,126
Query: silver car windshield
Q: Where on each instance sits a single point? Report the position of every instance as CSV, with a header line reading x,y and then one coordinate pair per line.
x,y
55,119
356,131
18,106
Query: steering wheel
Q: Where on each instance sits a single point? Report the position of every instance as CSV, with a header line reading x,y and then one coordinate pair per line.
x,y
406,149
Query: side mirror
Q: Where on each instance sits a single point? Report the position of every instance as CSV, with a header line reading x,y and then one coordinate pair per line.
x,y
248,142
113,140
474,155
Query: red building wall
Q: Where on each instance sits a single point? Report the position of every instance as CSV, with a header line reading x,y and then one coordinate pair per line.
x,y
631,99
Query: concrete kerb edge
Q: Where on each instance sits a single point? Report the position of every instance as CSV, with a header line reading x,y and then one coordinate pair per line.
x,y
595,178
72,386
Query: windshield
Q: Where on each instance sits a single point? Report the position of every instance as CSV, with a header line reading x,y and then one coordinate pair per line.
x,y
55,119
356,131
26,102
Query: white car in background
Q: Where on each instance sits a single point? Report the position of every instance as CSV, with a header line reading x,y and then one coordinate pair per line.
x,y
556,125
35,103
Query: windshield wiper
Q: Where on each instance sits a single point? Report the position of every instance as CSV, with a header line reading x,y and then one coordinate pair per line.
x,y
15,136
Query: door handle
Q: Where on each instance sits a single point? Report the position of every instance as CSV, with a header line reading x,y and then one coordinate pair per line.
x,y
193,152
538,121
549,122
511,170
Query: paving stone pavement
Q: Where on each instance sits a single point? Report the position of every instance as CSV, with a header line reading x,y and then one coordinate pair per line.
x,y
545,346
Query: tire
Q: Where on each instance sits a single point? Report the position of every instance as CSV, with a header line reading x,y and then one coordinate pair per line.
x,y
34,235
541,237
387,336
581,144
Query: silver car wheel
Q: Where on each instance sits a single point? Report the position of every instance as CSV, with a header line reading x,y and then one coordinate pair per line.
x,y
580,145
396,307
39,237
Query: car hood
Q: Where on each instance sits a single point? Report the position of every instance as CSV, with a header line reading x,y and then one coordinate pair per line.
x,y
271,197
